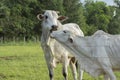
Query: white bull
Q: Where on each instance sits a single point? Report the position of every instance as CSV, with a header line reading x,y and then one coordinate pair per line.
x,y
53,51
97,54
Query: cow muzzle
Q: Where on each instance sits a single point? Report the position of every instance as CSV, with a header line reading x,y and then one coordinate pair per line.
x,y
54,28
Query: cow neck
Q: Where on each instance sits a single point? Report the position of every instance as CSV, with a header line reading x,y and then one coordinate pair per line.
x,y
45,34
46,38
78,48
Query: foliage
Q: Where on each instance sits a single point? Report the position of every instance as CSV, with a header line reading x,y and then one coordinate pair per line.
x,y
114,25
18,17
117,3
74,11
97,15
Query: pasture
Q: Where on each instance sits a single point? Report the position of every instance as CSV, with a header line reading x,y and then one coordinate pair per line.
x,y
26,62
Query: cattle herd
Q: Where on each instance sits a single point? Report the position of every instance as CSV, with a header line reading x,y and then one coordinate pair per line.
x,y
65,43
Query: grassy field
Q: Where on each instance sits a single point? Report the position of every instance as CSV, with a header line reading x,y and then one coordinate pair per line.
x,y
26,62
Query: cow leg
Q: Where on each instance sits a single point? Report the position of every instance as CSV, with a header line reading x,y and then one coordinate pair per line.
x,y
81,74
51,73
49,63
105,62
109,73
65,72
73,68
106,77
51,69
65,67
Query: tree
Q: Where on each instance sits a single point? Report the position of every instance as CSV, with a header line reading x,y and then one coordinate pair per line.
x,y
74,11
97,15
117,3
53,5
114,25
18,17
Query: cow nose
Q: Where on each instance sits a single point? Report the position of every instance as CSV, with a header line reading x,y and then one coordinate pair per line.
x,y
54,27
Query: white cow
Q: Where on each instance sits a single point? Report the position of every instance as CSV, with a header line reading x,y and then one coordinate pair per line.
x,y
53,51
98,54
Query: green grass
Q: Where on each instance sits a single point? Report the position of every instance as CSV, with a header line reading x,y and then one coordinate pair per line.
x,y
26,62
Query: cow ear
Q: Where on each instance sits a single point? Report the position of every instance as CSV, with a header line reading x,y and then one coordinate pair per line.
x,y
71,40
62,18
40,16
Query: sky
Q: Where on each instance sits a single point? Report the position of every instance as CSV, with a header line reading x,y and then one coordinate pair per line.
x,y
109,2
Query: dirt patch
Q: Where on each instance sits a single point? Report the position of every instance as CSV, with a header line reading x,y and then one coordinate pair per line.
x,y
2,76
8,57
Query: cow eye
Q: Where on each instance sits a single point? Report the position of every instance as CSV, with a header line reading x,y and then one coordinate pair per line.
x,y
64,31
46,17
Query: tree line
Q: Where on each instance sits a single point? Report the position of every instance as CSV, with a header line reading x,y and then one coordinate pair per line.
x,y
18,20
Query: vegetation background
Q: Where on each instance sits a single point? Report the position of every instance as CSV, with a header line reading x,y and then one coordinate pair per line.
x,y
18,20
21,57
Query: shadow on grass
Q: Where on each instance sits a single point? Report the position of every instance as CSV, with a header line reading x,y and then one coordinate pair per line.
x,y
2,76
8,57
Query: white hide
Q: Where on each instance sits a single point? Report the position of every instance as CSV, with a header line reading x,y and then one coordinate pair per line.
x,y
98,54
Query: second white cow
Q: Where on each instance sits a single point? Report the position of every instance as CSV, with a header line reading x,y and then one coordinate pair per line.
x,y
98,54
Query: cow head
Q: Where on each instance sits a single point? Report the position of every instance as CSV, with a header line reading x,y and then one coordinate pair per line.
x,y
62,36
51,19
